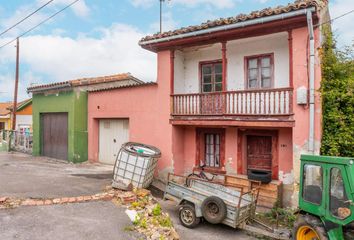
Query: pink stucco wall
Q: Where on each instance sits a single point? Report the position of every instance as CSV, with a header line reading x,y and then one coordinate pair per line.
x,y
301,112
301,78
148,110
146,107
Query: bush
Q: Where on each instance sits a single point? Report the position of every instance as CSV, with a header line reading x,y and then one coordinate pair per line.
x,y
337,92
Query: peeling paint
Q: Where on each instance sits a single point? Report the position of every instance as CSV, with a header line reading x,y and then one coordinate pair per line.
x,y
163,173
287,178
229,167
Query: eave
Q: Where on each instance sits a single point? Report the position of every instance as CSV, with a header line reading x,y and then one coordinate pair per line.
x,y
209,37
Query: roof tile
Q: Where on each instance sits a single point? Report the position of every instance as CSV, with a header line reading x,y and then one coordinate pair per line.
x,y
298,4
85,82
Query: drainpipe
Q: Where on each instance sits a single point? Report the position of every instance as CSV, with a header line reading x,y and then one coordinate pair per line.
x,y
311,142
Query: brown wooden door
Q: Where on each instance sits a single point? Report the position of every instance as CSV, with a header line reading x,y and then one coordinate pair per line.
x,y
55,135
259,152
2,125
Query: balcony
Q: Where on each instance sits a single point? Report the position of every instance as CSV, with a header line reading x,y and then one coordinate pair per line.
x,y
265,104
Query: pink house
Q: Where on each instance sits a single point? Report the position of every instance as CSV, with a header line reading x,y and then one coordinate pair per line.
x,y
236,94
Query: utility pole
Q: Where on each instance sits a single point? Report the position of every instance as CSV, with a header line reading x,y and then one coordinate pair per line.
x,y
14,109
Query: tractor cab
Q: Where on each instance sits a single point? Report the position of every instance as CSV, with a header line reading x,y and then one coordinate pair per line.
x,y
326,198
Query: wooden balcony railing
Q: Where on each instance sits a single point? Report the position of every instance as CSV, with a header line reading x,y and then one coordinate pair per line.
x,y
265,102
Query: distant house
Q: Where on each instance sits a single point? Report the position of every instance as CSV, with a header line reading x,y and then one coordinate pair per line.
x,y
23,115
5,116
236,95
60,115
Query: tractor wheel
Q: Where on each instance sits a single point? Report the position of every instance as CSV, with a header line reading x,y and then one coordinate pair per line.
x,y
187,216
308,227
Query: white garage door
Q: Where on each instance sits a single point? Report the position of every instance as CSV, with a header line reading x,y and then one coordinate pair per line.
x,y
112,134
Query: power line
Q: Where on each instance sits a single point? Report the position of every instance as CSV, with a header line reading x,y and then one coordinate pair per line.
x,y
332,20
23,19
45,20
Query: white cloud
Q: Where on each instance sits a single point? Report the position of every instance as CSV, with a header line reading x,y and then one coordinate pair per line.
x,y
63,58
7,83
221,4
143,3
168,23
262,1
342,26
80,8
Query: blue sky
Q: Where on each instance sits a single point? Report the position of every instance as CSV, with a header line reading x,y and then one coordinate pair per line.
x,y
100,37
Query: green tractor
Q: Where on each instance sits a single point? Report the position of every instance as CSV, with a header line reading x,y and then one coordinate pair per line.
x,y
326,199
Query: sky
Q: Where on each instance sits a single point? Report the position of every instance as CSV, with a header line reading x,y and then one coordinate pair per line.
x,y
100,37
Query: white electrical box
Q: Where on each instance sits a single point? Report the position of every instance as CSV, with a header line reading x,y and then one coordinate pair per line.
x,y
301,95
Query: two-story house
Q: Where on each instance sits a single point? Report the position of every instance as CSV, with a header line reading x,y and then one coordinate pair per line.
x,y
235,94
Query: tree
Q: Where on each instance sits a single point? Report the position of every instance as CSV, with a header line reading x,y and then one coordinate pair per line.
x,y
337,91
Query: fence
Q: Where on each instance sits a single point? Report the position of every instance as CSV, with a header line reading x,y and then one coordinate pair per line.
x,y
16,141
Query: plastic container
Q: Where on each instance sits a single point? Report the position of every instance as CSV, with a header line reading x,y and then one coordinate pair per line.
x,y
135,164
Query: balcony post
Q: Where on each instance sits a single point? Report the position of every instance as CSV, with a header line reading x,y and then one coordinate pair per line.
x,y
172,71
172,79
224,65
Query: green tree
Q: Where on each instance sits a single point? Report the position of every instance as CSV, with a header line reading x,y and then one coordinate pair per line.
x,y
337,91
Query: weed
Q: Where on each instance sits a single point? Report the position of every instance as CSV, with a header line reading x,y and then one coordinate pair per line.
x,y
156,211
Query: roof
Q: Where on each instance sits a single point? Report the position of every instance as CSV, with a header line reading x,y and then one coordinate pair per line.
x,y
3,108
124,86
328,159
21,105
84,82
297,5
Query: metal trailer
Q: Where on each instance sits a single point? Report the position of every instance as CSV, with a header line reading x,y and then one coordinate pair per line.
x,y
216,202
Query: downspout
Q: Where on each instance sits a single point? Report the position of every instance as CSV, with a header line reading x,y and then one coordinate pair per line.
x,y
311,142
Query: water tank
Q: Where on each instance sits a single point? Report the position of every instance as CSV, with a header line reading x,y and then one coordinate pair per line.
x,y
135,164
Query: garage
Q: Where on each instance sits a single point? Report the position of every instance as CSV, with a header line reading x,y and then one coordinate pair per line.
x,y
54,128
112,134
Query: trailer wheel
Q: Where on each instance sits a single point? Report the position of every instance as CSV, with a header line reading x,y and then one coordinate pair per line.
x,y
214,209
187,216
308,227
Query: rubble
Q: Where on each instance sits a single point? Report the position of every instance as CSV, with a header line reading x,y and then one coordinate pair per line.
x,y
150,220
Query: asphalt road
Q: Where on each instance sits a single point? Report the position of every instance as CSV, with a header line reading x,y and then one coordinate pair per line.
x,y
24,176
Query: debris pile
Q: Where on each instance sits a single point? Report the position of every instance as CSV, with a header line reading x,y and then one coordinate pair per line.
x,y
149,219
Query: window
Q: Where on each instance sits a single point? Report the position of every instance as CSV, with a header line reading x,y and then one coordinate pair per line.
x,y
212,150
339,205
211,74
312,185
259,71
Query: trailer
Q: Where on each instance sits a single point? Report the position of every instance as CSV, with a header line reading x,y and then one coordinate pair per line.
x,y
217,202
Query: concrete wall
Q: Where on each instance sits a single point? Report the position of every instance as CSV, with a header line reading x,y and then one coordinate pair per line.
x,y
22,120
148,111
75,104
187,77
